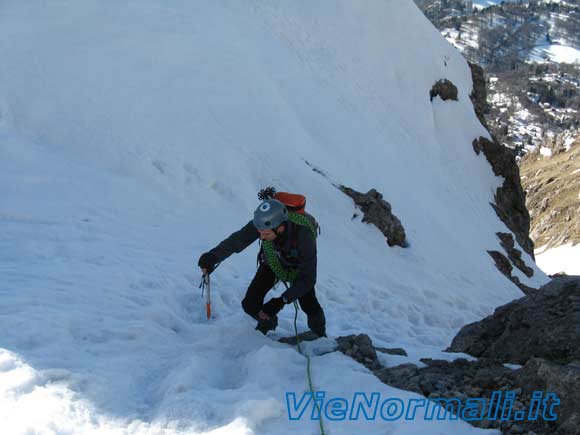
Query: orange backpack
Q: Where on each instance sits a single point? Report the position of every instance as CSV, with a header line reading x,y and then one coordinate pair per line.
x,y
294,202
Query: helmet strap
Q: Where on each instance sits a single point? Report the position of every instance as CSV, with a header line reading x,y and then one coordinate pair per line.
x,y
276,229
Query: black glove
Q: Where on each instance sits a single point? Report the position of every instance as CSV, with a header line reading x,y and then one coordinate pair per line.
x,y
273,307
208,261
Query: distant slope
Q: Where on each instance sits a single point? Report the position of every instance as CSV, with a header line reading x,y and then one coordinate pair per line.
x,y
500,35
551,178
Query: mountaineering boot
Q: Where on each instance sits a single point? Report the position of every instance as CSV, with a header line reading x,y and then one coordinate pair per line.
x,y
267,325
317,323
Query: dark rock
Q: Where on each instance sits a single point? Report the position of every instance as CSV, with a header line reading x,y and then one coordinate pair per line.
x,y
303,336
479,94
510,198
526,289
444,89
502,263
504,266
460,380
515,255
558,274
360,348
564,381
510,203
378,212
392,351
545,324
405,376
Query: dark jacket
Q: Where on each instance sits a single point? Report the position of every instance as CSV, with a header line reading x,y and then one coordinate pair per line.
x,y
296,248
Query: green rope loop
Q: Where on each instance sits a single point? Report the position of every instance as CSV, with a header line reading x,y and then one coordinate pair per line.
x,y
282,273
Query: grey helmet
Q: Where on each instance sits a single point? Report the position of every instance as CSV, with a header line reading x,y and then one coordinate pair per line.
x,y
270,214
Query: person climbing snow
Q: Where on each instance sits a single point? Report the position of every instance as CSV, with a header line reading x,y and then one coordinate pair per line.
x,y
287,253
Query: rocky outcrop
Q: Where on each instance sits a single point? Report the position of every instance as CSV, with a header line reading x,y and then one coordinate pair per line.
x,y
509,199
564,381
515,255
504,266
502,263
361,349
543,324
378,212
442,378
392,350
443,89
540,331
460,382
478,95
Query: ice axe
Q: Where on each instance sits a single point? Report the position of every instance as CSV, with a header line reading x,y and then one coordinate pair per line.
x,y
205,282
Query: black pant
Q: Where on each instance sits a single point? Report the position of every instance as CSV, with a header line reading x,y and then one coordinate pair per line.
x,y
263,282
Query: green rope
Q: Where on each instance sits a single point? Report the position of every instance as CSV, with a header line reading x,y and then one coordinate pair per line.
x,y
283,274
307,368
301,219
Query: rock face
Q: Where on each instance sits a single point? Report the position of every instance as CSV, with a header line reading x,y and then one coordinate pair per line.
x,y
504,266
392,350
541,331
461,380
564,381
456,382
378,212
479,94
444,89
514,257
543,324
510,200
361,349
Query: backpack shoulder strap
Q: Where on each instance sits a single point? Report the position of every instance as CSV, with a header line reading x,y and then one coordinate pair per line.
x,y
305,220
314,222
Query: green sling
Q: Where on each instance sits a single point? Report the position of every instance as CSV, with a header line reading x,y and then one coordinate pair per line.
x,y
282,273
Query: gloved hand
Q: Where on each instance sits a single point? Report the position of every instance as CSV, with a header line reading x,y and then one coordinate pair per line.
x,y
272,307
208,262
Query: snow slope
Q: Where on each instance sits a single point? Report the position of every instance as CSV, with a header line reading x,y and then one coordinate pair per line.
x,y
134,136
564,258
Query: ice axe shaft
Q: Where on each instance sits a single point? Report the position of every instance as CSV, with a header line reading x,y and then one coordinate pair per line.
x,y
204,285
207,296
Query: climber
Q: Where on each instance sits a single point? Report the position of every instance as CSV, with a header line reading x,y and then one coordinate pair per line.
x,y
287,253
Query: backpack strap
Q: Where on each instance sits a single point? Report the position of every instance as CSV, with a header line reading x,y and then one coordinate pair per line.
x,y
304,220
